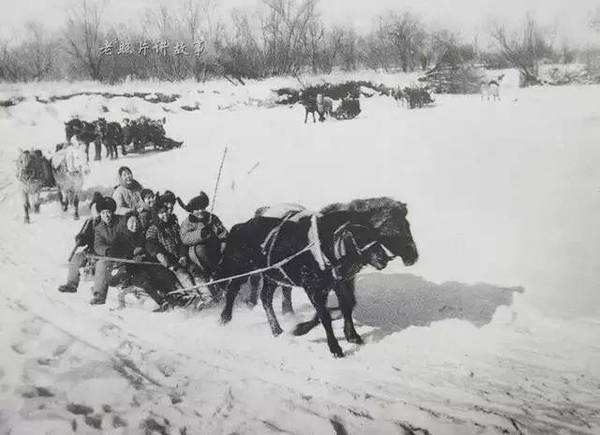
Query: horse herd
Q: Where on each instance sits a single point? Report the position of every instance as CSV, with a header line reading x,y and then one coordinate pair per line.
x,y
139,132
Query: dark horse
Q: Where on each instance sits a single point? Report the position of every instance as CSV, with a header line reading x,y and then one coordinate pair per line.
x,y
319,253
85,132
111,135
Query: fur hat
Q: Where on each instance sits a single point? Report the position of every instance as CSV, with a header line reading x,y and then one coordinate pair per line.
x,y
106,203
146,192
199,202
168,196
96,198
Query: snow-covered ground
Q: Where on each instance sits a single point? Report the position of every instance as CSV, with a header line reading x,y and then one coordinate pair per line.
x,y
495,329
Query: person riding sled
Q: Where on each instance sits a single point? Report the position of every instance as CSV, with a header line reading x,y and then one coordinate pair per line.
x,y
204,236
128,194
147,210
85,238
163,242
115,237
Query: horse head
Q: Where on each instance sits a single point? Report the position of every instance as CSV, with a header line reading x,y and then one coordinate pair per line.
x,y
360,241
390,227
24,163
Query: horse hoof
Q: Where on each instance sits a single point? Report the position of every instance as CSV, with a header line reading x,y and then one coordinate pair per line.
x,y
277,331
303,328
225,318
76,217
338,353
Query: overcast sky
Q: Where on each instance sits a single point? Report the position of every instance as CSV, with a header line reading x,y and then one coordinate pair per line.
x,y
470,17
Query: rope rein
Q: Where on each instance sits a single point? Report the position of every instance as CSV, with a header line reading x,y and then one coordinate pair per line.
x,y
242,275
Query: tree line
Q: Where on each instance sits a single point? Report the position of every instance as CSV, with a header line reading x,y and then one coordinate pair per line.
x,y
279,37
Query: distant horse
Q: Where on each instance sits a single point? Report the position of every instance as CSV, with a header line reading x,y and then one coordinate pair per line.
x,y
491,88
85,132
324,106
111,135
70,169
319,253
310,106
34,171
400,97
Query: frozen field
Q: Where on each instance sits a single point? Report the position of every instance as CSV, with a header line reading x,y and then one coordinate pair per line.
x,y
506,194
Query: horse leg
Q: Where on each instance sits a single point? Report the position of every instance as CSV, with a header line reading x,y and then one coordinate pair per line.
x,y
345,295
286,301
305,114
305,327
36,202
266,297
64,199
97,150
255,282
232,290
318,297
76,206
26,207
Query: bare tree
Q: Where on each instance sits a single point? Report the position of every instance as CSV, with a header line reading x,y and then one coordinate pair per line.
x,y
10,69
83,36
523,49
407,37
38,52
284,31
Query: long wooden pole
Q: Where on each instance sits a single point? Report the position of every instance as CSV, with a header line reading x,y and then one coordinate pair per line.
x,y
212,205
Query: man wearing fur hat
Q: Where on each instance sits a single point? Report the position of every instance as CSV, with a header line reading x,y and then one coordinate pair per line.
x,y
114,236
163,243
204,235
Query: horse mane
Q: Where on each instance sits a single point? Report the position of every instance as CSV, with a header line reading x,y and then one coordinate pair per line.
x,y
364,205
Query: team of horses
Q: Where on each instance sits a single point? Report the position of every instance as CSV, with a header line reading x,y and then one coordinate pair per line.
x,y
140,132
319,252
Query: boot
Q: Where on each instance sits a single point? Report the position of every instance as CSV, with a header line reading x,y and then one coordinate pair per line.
x,y
67,288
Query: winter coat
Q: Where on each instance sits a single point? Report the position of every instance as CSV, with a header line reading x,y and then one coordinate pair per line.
x,y
163,238
115,240
128,198
147,216
85,237
208,228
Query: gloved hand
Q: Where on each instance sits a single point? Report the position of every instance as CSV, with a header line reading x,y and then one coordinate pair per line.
x,y
183,261
138,251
